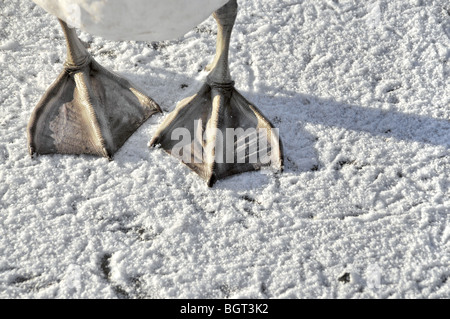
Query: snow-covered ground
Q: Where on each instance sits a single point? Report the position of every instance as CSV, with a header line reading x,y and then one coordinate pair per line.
x,y
360,91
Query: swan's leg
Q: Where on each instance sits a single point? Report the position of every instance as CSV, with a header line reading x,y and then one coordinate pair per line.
x,y
88,109
217,132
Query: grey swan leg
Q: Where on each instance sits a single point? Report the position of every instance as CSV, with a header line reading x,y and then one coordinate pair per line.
x,y
88,109
222,133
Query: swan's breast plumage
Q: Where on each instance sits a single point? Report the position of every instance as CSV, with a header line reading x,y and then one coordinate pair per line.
x,y
140,20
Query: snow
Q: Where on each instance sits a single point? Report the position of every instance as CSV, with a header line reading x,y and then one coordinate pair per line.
x,y
360,93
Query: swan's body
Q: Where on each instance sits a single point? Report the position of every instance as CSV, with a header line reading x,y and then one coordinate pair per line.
x,y
146,20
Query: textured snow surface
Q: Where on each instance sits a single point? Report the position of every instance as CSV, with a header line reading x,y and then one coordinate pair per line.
x,y
360,92
147,20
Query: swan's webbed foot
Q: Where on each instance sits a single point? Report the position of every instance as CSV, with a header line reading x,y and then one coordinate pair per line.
x,y
88,109
218,133
221,132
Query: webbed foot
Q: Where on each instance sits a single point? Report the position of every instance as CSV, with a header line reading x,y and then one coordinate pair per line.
x,y
221,132
88,109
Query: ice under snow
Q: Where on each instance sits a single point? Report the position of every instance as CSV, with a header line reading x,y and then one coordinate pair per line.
x,y
360,92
